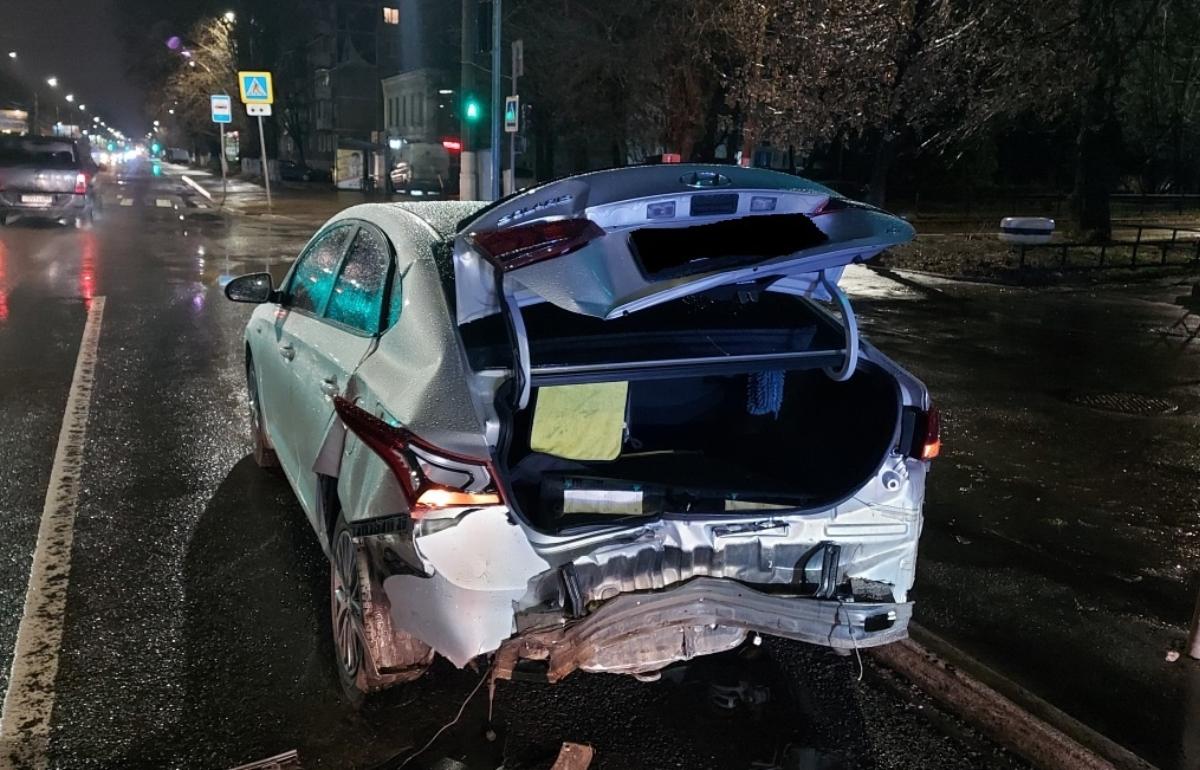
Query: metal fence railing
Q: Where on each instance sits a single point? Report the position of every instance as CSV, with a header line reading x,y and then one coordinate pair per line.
x,y
1086,254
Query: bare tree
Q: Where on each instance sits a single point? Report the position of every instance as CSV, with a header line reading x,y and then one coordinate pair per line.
x,y
211,68
889,72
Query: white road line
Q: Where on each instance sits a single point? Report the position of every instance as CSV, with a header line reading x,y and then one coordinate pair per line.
x,y
163,203
127,201
199,189
25,719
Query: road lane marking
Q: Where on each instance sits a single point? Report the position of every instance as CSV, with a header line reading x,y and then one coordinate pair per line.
x,y
127,201
199,189
29,701
163,203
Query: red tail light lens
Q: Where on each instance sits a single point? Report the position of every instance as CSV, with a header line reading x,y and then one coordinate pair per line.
x,y
81,183
522,245
833,204
432,479
931,444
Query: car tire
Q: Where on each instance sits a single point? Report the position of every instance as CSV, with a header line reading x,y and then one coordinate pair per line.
x,y
264,455
349,606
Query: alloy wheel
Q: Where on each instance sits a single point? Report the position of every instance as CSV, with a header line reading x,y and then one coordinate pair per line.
x,y
347,605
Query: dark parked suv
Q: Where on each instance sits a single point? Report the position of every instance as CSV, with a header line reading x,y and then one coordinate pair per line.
x,y
47,177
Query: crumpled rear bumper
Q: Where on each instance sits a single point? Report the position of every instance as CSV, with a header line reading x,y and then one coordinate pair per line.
x,y
637,633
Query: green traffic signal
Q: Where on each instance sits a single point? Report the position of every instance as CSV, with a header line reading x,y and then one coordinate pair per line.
x,y
111,147
473,111
154,148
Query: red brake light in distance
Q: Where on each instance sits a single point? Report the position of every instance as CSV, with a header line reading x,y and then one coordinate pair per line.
x,y
81,183
522,245
931,445
453,145
432,479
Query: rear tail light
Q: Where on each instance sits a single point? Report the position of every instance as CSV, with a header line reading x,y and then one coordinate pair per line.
x,y
432,479
81,183
931,438
833,204
515,247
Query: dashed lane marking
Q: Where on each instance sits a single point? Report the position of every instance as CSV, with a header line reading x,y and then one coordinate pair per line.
x,y
127,201
163,203
29,702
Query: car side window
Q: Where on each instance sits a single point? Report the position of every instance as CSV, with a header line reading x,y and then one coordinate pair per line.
x,y
395,301
357,299
312,280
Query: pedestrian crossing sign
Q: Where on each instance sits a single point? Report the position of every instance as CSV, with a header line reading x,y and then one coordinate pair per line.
x,y
256,87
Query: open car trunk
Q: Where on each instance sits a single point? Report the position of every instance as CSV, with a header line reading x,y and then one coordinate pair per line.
x,y
713,445
616,430
666,357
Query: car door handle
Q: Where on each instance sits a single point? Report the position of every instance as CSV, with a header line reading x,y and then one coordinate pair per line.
x,y
329,386
287,351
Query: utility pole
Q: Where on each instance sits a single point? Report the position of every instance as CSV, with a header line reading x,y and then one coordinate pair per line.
x,y
266,169
466,174
497,100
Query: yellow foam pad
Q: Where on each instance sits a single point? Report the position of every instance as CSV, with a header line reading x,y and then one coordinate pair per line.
x,y
580,422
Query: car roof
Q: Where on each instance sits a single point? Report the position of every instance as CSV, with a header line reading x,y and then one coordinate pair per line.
x,y
442,216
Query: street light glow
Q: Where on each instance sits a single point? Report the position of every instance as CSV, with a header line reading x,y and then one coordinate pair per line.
x,y
52,81
171,111
96,119
156,124
83,107
12,54
230,16
70,97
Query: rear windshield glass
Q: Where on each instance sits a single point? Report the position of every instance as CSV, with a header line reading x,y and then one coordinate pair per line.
x,y
726,321
33,152
669,252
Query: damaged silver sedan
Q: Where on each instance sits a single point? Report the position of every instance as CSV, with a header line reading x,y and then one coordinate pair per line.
x,y
607,424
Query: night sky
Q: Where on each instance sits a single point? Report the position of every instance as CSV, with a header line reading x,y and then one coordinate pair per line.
x,y
75,41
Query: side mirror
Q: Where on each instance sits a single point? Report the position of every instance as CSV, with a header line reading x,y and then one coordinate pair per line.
x,y
255,287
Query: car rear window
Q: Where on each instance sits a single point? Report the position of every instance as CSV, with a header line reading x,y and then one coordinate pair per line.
x,y
32,152
670,252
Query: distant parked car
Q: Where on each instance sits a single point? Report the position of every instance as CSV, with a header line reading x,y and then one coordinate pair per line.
x,y
291,171
603,424
178,155
45,177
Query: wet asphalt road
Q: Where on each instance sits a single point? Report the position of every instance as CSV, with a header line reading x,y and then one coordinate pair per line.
x,y
1062,540
196,625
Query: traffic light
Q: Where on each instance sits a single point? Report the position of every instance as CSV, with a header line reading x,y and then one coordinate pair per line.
x,y
472,110
111,146
154,148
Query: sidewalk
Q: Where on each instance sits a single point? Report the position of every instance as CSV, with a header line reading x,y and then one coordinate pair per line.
x,y
296,201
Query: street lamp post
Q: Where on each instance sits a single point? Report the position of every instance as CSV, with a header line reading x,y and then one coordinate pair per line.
x,y
497,102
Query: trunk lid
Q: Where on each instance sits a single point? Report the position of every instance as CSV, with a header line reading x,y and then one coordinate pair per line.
x,y
614,242
31,179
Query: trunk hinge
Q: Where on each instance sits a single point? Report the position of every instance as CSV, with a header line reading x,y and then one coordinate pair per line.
x,y
520,338
849,326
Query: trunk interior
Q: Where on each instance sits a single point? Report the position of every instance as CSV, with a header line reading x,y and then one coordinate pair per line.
x,y
715,445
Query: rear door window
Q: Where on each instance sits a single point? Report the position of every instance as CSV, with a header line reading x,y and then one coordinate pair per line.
x,y
357,300
316,269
